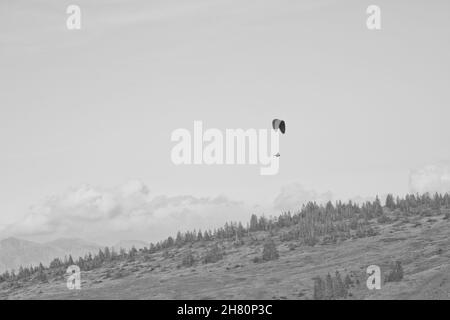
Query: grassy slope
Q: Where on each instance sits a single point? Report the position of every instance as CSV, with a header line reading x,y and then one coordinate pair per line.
x,y
421,244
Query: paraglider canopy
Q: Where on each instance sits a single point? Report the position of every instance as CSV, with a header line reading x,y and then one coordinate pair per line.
x,y
279,124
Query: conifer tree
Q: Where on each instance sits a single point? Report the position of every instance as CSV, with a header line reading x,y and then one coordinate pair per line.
x,y
348,282
270,251
338,287
329,292
107,254
319,289
377,207
253,223
390,203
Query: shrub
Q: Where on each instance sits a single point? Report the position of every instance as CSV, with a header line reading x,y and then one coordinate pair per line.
x,y
257,260
119,274
238,243
396,273
331,287
354,224
188,260
328,239
329,290
270,251
42,276
213,254
348,282
363,232
427,212
319,289
447,215
339,288
383,219
288,236
310,241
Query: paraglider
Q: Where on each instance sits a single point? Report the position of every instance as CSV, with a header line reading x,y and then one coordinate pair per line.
x,y
279,124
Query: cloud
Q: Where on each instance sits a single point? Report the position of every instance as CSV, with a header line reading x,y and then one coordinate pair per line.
x,y
294,195
129,211
430,178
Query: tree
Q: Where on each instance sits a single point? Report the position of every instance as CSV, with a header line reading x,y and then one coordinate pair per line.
x,y
399,269
114,254
188,259
253,223
56,263
378,209
20,274
436,202
213,254
319,289
107,254
390,202
329,292
270,251
339,288
179,239
262,223
133,252
396,273
446,200
42,276
348,282
240,230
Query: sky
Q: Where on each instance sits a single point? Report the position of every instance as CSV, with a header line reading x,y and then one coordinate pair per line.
x,y
86,114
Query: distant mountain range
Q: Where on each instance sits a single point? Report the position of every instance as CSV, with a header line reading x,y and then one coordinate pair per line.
x,y
15,252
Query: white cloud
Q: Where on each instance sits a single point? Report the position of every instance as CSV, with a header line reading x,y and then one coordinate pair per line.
x,y
430,178
294,195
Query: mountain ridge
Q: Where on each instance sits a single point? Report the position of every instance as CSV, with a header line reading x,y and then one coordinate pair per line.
x,y
16,252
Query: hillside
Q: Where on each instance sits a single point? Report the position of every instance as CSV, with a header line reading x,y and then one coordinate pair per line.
x,y
234,268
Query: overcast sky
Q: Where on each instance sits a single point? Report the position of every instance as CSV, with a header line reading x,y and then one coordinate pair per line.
x,y
85,112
